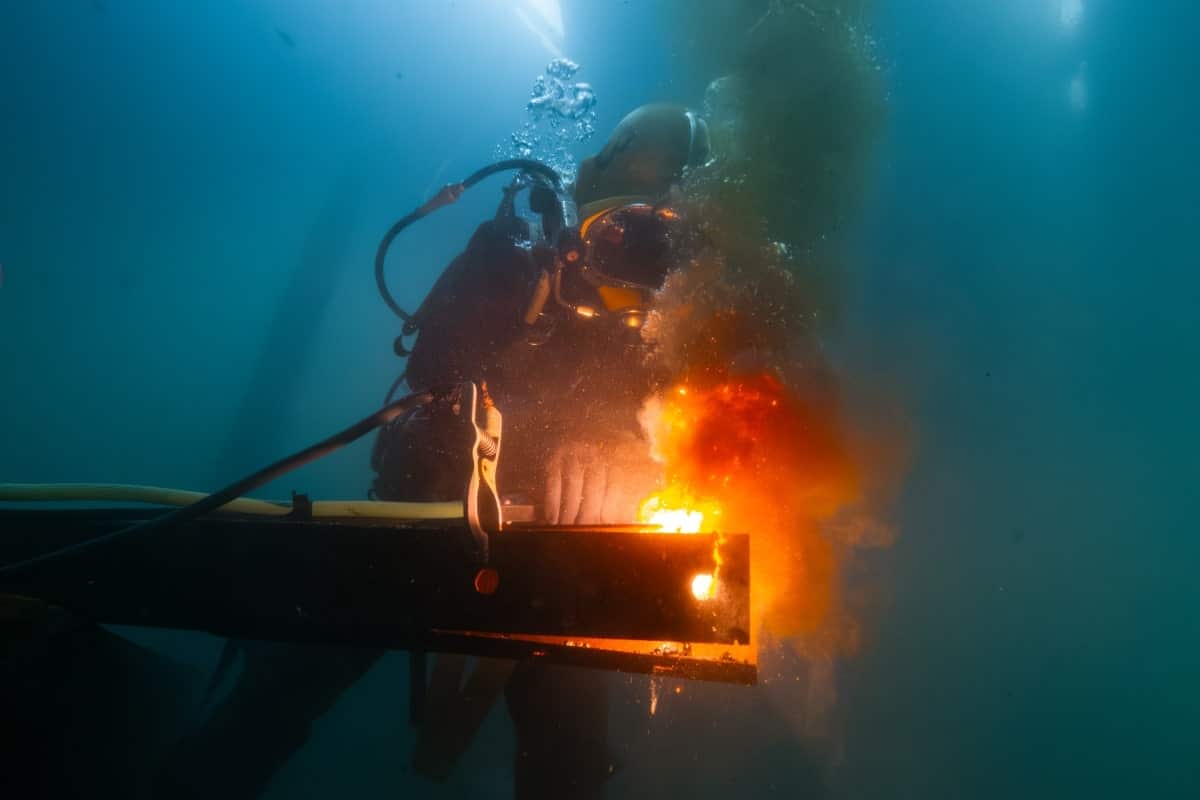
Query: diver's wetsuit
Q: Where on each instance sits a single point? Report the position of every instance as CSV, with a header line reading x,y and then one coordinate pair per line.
x,y
586,379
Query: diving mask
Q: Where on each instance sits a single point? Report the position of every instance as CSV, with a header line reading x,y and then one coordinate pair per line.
x,y
623,252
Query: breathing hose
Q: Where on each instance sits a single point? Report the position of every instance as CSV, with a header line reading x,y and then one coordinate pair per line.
x,y
449,194
231,498
218,499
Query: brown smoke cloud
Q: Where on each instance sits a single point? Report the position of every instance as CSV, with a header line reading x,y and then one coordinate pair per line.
x,y
794,109
753,423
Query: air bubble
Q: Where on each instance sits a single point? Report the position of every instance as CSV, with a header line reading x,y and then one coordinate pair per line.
x,y
561,115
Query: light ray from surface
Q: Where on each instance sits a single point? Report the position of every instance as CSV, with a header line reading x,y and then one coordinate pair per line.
x,y
548,28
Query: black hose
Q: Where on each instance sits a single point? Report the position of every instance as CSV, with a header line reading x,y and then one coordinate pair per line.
x,y
217,499
381,254
395,386
526,164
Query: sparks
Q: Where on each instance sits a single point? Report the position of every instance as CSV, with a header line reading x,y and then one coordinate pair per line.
x,y
674,511
746,453
670,520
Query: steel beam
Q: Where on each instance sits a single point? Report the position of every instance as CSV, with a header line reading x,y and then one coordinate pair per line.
x,y
565,595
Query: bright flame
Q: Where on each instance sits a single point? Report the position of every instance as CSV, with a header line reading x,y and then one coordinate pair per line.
x,y
676,511
749,454
670,520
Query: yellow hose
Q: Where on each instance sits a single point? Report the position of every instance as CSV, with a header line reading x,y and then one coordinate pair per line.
x,y
381,509
116,492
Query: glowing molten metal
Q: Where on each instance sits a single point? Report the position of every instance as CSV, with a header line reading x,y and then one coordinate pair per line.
x,y
703,586
747,453
670,520
674,512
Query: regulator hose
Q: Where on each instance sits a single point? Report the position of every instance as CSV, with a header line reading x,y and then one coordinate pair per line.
x,y
235,490
449,194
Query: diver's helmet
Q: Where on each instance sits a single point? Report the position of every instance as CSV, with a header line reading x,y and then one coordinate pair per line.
x,y
628,232
645,155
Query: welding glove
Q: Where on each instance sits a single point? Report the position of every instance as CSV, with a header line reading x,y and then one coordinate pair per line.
x,y
590,483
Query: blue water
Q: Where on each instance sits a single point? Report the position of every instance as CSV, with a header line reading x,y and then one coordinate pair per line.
x,y
190,199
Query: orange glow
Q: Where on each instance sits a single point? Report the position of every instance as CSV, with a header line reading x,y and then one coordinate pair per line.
x,y
670,520
676,511
677,520
747,454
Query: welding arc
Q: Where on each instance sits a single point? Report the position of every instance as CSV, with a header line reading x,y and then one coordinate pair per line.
x,y
447,195
235,490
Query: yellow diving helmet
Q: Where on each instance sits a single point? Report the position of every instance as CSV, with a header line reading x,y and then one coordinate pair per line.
x,y
628,234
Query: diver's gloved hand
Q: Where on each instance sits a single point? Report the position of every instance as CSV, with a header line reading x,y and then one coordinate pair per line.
x,y
589,483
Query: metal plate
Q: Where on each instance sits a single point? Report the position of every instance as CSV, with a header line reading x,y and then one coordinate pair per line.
x,y
608,597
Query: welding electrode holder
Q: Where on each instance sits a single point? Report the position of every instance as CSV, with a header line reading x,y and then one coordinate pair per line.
x,y
482,505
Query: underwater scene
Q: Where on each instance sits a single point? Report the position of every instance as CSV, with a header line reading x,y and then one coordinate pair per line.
x,y
564,399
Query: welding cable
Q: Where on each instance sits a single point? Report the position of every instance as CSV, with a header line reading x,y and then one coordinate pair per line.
x,y
395,387
235,490
449,194
155,495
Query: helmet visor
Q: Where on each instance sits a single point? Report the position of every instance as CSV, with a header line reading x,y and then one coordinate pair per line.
x,y
633,245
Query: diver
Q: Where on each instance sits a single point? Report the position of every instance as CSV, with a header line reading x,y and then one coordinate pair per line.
x,y
547,315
